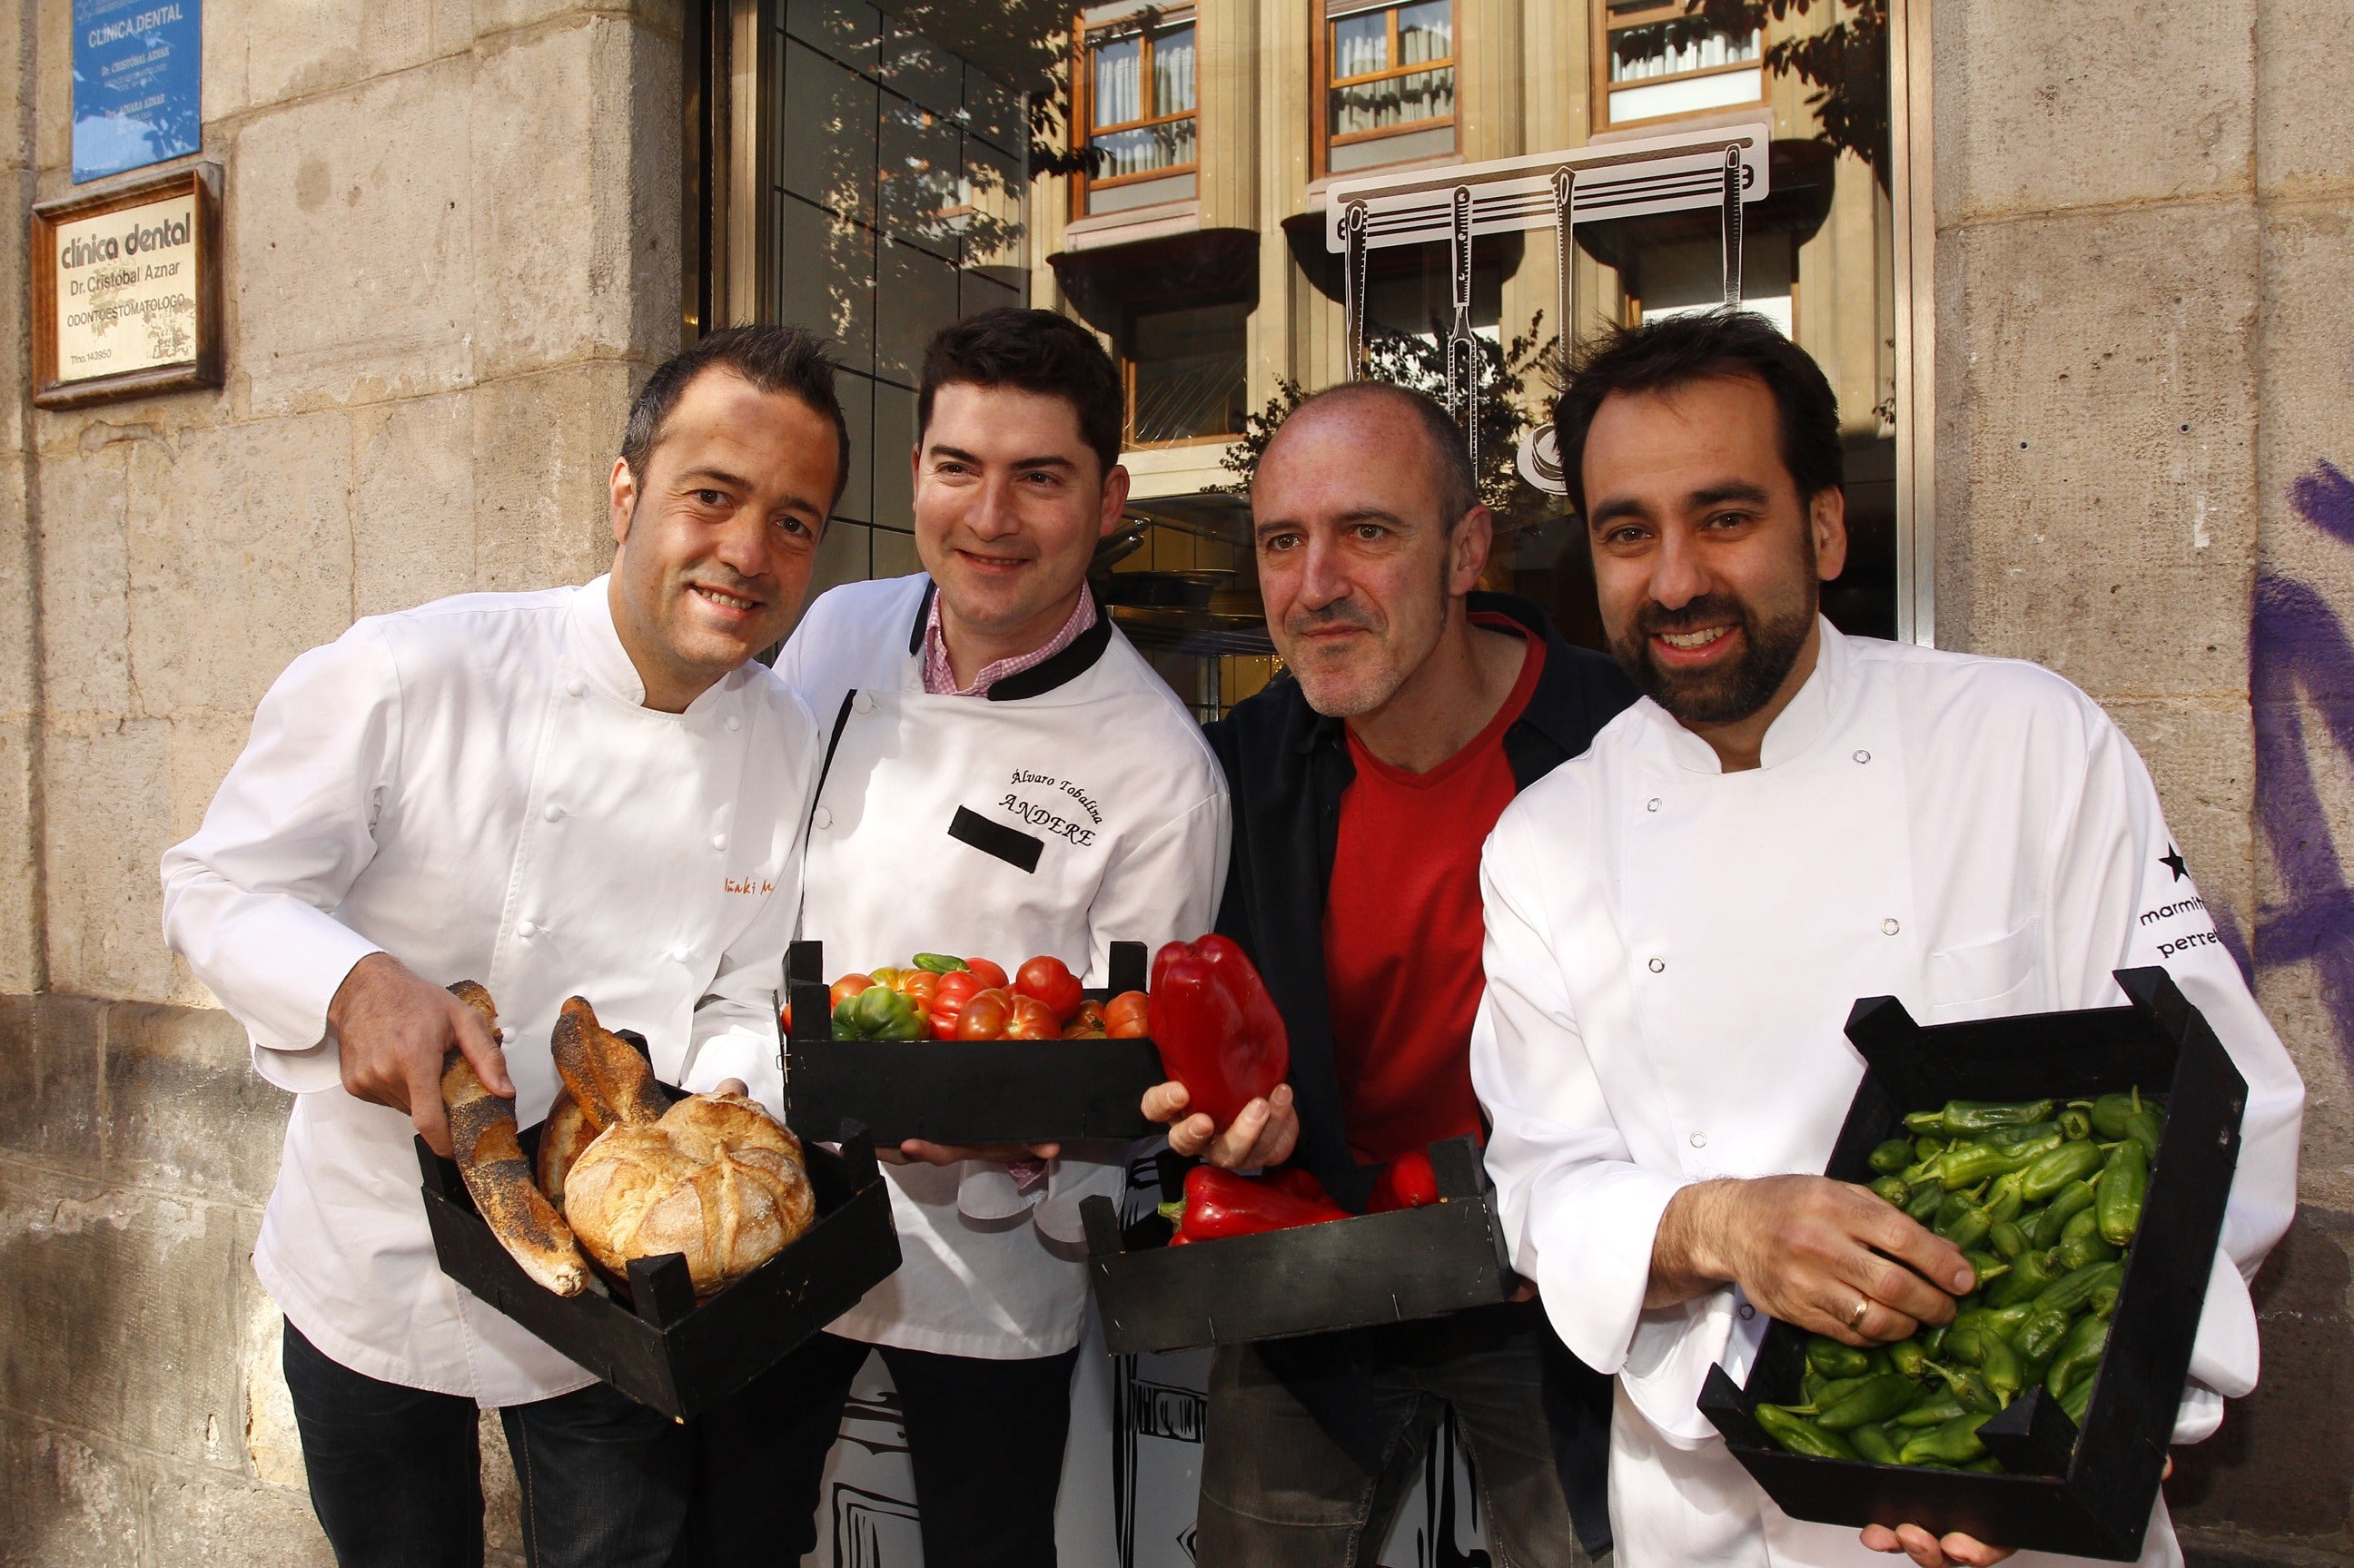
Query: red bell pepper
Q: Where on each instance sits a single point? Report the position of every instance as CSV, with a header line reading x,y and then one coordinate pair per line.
x,y
1297,1182
1218,1030
1219,1203
1407,1182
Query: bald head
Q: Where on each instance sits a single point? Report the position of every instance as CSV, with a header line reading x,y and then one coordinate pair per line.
x,y
1415,434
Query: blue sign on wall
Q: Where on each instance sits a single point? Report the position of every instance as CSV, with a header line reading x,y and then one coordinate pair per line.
x,y
138,83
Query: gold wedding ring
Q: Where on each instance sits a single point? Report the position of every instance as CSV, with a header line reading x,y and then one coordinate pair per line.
x,y
1855,1318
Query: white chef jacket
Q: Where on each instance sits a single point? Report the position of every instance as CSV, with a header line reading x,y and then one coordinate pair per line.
x,y
1671,954
476,788
1094,768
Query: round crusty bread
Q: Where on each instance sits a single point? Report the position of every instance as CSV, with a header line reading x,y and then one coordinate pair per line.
x,y
717,1180
562,1137
498,1177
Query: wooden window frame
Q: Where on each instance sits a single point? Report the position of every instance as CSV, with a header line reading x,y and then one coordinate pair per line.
x,y
1126,361
1663,11
1321,105
1144,24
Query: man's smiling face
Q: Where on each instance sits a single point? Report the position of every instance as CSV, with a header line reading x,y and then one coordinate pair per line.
x,y
1010,500
717,536
1706,562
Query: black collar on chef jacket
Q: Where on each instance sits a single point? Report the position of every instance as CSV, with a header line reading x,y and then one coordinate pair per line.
x,y
1062,669
1287,768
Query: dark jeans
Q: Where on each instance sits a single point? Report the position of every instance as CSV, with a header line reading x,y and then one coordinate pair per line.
x,y
396,1472
1278,1492
985,1438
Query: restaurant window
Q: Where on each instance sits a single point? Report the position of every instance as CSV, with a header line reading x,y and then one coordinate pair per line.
x,y
1654,59
1388,80
1137,96
1187,370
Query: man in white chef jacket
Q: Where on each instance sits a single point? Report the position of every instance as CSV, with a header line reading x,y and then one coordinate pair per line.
x,y
1679,921
587,790
1006,778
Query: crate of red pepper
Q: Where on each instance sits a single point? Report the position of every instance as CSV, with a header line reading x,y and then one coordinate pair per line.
x,y
2081,1162
955,1050
1243,1258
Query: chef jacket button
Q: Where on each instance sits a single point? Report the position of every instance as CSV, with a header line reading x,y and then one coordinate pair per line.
x,y
821,817
1652,804
862,703
576,688
1863,757
552,813
1747,1312
1700,1141
1889,927
719,841
526,930
1659,966
734,723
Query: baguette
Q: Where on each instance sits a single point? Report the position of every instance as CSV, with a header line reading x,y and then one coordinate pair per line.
x,y
491,1159
612,1081
562,1137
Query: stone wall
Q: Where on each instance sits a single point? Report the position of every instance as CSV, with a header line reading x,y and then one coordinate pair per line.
x,y
2143,220
451,236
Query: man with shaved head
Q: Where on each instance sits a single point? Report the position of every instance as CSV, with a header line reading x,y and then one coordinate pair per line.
x,y
1414,708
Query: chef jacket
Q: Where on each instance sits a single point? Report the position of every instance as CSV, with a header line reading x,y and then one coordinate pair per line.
x,y
476,788
1671,954
1072,805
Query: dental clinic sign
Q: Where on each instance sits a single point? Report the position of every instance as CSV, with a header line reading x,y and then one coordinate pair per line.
x,y
126,290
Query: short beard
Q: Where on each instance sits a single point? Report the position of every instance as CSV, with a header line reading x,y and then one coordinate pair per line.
x,y
1733,692
1333,699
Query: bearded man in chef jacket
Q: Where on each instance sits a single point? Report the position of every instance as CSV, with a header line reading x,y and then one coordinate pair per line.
x,y
1679,921
583,790
1007,778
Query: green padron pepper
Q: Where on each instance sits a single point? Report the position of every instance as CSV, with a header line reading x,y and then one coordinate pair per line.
x,y
1968,1228
1926,1199
1967,1164
2076,1124
2145,1126
878,1013
1934,1409
1831,1358
2077,1251
1955,1442
1873,1443
1875,1401
2074,1289
1989,1466
1928,1146
1909,1357
1979,1115
2001,1369
1965,1344
2077,1400
2031,1274
2007,1239
2124,1183
1801,1436
2039,1338
941,963
2007,1197
2080,1352
1891,1157
2104,1298
1892,1188
2109,1113
2055,1170
1993,1319
2065,1205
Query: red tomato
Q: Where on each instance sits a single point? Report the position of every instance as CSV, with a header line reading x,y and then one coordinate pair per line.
x,y
985,1016
992,977
1050,981
849,985
1125,1016
1032,1020
948,998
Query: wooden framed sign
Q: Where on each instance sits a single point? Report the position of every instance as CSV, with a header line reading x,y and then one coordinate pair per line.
x,y
126,290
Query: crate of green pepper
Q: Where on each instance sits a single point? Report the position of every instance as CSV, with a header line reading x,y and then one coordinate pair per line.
x,y
2080,1161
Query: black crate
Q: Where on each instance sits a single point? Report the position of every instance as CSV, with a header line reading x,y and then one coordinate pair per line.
x,y
1344,1273
661,1346
965,1091
2091,1498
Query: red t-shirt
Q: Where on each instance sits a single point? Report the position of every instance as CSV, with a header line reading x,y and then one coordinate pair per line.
x,y
1402,930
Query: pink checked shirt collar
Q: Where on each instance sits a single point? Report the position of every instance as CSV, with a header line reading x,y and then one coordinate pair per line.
x,y
939,679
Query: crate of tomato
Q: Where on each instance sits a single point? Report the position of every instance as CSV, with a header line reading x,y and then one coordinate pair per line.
x,y
955,1050
2081,1162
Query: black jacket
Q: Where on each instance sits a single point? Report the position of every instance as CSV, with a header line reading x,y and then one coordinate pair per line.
x,y
1286,767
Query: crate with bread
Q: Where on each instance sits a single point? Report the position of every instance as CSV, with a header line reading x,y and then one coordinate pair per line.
x,y
957,1050
674,1245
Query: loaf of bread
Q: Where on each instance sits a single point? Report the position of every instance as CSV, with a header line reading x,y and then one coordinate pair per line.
x,y
491,1159
562,1137
716,1179
612,1081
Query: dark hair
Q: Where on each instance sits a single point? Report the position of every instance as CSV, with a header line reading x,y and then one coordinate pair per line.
x,y
1035,351
1451,454
773,358
1662,356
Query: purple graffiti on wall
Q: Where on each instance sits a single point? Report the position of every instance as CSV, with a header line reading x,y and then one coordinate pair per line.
x,y
2301,663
